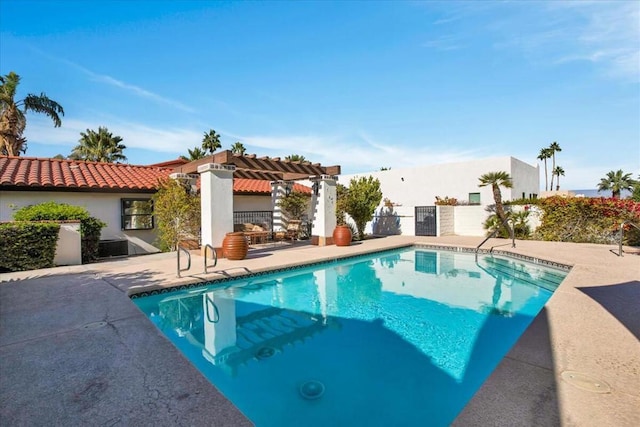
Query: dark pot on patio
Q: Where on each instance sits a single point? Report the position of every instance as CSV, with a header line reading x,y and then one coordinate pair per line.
x,y
342,235
235,246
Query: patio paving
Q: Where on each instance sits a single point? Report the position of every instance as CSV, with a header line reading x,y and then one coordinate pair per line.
x,y
74,349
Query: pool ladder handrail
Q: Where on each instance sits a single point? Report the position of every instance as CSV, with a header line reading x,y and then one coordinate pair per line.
x,y
215,257
511,231
622,234
178,269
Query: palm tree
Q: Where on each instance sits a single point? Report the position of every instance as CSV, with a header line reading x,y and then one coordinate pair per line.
x,y
557,171
553,148
497,180
295,158
545,153
616,182
211,141
195,154
635,193
100,146
12,114
238,148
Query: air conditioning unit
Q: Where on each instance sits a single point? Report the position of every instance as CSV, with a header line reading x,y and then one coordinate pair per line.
x,y
112,248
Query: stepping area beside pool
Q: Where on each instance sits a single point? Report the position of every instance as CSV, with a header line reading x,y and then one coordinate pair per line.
x,y
74,349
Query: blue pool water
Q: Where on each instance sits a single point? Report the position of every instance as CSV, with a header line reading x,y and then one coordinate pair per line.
x,y
397,338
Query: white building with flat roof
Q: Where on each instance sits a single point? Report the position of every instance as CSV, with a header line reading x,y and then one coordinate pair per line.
x,y
408,188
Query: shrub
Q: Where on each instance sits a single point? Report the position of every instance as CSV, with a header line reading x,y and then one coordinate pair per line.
x,y
90,227
341,209
295,205
587,220
27,245
447,201
177,211
361,200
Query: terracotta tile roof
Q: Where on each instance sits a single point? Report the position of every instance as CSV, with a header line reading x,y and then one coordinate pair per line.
x,y
54,173
244,185
35,173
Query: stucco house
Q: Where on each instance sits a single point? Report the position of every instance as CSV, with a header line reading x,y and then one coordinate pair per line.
x,y
412,194
110,192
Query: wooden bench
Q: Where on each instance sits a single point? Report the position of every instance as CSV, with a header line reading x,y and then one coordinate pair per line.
x,y
255,233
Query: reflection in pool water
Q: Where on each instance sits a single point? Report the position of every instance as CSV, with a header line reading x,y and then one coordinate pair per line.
x,y
400,338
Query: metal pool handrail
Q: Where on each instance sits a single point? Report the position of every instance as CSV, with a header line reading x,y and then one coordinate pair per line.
x,y
215,257
512,232
178,269
622,233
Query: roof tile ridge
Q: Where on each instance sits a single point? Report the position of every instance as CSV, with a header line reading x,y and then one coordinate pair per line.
x,y
21,175
67,175
116,180
95,175
87,175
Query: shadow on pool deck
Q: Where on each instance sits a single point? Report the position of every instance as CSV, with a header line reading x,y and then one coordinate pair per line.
x,y
76,351
622,301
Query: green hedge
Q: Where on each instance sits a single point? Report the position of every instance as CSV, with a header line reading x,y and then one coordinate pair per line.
x,y
27,245
90,227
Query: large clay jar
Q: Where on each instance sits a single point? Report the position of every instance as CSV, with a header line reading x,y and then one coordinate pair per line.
x,y
235,246
342,235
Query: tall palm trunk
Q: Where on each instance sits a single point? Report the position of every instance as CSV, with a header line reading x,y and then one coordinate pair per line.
x,y
553,168
546,176
10,131
497,197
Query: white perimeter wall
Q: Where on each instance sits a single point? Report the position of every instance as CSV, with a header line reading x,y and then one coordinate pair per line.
x,y
419,186
68,247
469,219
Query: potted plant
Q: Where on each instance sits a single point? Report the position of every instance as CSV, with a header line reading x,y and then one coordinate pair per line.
x,y
342,233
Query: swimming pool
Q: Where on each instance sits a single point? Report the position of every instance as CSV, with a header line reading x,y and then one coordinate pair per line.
x,y
396,338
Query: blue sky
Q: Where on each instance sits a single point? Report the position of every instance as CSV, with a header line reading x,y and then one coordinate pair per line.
x,y
360,84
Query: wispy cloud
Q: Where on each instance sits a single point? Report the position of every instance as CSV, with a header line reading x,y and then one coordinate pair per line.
x,y
604,33
442,21
355,153
134,135
444,43
138,91
112,81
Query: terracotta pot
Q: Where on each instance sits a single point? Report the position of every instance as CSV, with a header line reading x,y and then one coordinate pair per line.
x,y
235,246
342,235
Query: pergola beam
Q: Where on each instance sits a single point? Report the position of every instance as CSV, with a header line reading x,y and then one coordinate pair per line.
x,y
250,166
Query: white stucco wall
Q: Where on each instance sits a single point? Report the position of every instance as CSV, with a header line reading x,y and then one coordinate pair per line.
x,y
419,186
68,248
252,203
104,206
468,220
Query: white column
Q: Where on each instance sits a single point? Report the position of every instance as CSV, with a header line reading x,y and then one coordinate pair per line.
x,y
216,202
324,220
278,190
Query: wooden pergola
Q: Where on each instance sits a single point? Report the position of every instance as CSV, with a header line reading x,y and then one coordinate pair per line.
x,y
266,168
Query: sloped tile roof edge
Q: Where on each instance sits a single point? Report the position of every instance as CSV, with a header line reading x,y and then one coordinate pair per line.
x,y
47,174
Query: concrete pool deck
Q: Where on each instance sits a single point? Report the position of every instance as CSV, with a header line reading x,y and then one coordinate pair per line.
x,y
74,349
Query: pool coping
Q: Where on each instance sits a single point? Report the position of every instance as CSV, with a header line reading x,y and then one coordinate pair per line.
x,y
163,290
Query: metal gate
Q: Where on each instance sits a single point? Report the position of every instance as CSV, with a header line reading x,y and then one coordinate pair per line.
x,y
425,220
